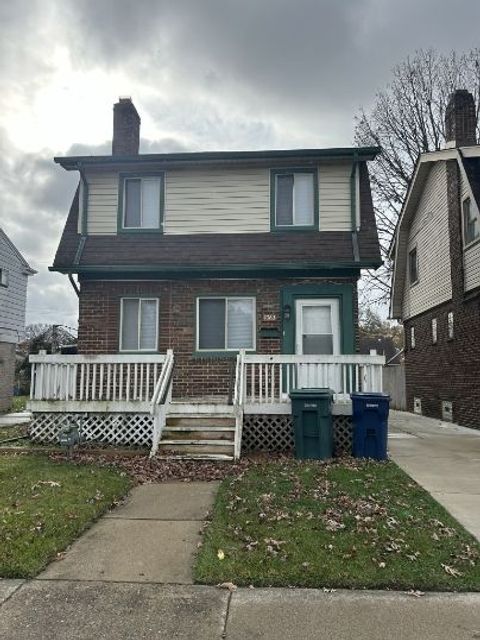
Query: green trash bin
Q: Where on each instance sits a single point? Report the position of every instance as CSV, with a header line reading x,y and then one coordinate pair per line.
x,y
312,423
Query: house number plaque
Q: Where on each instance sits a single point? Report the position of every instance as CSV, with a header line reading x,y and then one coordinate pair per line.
x,y
270,317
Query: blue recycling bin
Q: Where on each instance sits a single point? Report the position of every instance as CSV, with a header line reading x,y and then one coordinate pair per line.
x,y
370,425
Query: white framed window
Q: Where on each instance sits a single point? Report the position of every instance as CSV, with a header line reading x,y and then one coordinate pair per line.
x,y
412,337
139,324
294,200
3,277
450,325
225,323
434,331
142,198
471,222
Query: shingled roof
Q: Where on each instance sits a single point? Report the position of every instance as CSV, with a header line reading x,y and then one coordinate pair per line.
x,y
212,252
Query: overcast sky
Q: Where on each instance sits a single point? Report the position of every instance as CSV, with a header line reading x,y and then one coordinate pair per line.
x,y
204,74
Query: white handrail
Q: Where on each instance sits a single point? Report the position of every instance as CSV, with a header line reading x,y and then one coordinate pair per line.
x,y
161,399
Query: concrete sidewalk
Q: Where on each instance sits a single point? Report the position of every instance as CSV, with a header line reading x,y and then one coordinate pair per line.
x,y
104,610
444,459
153,537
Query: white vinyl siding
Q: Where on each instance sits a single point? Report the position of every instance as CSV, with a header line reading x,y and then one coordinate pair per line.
x,y
335,212
13,296
102,203
430,236
219,200
471,255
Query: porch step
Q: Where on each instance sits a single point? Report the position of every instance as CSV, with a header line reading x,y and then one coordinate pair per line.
x,y
200,421
199,433
201,456
184,447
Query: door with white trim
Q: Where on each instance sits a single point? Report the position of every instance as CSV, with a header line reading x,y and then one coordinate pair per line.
x,y
317,331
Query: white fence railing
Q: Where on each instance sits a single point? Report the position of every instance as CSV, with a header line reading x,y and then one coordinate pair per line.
x,y
114,378
268,379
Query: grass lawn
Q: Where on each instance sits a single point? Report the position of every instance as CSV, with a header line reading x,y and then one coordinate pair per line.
x,y
351,524
18,404
45,505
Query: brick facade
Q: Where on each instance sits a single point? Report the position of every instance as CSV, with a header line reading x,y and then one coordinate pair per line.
x,y
7,374
450,369
99,318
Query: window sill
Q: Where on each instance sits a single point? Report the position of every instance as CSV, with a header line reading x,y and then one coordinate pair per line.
x,y
412,284
138,230
471,244
293,228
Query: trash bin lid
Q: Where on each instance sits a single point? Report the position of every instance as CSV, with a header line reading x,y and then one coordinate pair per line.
x,y
311,393
365,395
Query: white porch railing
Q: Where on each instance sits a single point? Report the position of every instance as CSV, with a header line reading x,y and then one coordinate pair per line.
x,y
162,396
268,379
118,379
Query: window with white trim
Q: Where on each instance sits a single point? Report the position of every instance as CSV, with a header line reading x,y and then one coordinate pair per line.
x,y
139,324
142,202
3,277
450,325
471,222
412,337
294,199
434,331
225,323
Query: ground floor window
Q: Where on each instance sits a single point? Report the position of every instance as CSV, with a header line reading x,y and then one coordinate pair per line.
x,y
225,323
139,324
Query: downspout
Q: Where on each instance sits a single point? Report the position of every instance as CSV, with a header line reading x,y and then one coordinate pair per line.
x,y
353,207
83,226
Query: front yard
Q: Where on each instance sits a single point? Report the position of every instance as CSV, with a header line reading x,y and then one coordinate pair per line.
x,y
350,524
45,505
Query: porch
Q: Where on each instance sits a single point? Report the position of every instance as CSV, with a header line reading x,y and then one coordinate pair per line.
x,y
129,400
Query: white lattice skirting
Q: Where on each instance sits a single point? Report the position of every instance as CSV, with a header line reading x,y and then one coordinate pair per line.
x,y
108,428
268,432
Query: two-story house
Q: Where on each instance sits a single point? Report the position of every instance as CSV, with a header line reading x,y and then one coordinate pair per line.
x,y
14,273
240,268
436,280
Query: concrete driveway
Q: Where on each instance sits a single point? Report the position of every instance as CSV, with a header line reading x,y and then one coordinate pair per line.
x,y
444,459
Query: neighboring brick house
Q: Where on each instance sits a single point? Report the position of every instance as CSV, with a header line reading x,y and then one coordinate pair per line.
x,y
14,273
436,280
208,254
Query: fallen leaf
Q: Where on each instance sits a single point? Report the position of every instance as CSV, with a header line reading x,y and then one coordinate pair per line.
x,y
220,554
227,585
452,571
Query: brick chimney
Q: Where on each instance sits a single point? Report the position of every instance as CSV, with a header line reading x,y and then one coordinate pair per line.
x,y
126,128
460,119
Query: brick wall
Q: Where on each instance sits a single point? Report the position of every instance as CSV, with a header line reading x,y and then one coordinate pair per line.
x,y
450,369
99,316
7,374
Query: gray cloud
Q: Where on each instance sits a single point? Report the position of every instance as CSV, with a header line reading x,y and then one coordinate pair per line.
x,y
215,74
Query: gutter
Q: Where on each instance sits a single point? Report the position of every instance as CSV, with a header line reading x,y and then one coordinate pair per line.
x,y
353,207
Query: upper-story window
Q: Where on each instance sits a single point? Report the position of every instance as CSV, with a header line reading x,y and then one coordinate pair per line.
x,y
141,202
471,222
294,199
3,277
413,266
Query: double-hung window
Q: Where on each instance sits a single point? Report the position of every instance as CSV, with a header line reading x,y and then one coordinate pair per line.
x,y
225,324
3,277
294,199
471,222
139,324
141,202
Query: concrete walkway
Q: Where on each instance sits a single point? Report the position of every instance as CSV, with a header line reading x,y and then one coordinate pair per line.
x,y
104,610
442,457
151,538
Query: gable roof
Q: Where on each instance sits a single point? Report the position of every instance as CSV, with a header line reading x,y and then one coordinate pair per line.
x,y
468,159
28,269
203,254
